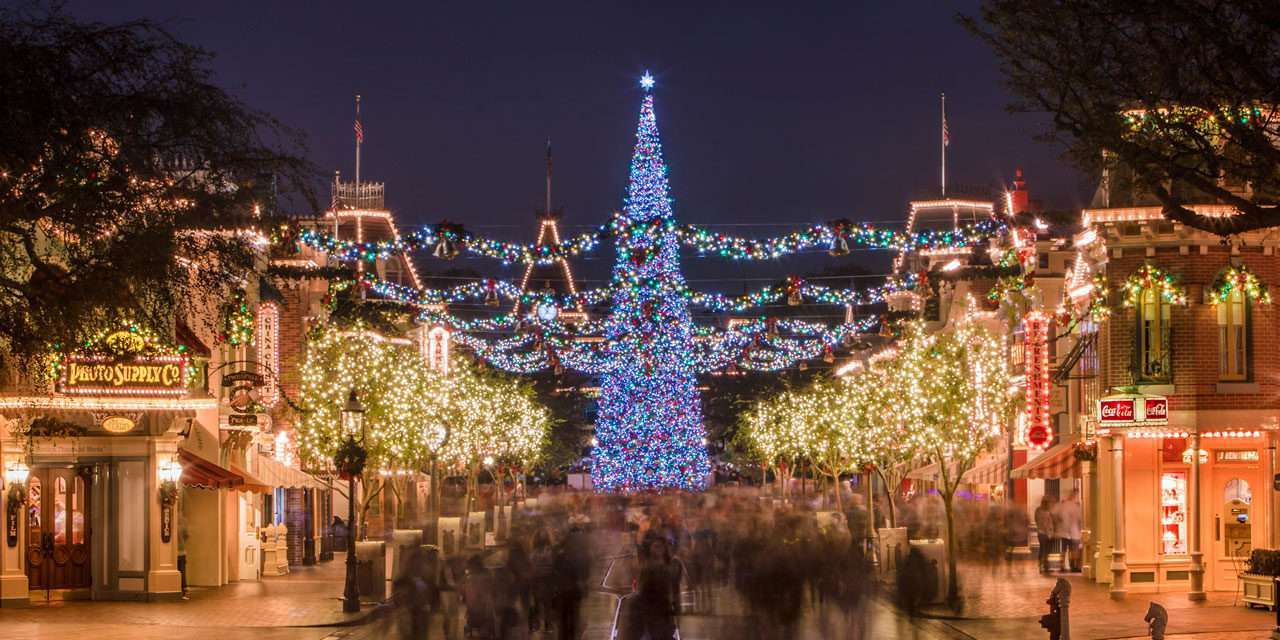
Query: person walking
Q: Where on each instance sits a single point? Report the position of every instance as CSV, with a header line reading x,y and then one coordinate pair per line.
x,y
1044,532
653,610
1067,522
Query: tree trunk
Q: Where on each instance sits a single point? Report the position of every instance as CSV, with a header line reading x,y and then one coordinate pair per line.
x,y
892,519
835,484
953,585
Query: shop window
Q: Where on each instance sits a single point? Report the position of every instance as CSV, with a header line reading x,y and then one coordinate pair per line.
x,y
60,510
77,512
1173,512
131,507
1153,336
35,524
1233,343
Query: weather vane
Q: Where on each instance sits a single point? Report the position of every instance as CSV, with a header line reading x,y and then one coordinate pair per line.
x,y
646,81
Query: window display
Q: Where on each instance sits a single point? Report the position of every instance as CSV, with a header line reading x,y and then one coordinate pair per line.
x,y
1173,512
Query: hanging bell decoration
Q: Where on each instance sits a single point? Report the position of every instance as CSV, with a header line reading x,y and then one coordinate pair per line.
x,y
772,327
828,354
839,247
793,292
445,249
840,240
803,365
491,294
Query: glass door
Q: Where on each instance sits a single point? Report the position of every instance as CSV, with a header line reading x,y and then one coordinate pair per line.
x,y
58,529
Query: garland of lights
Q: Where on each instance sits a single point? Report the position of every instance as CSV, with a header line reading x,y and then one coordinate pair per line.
x,y
446,240
1148,276
1238,278
237,320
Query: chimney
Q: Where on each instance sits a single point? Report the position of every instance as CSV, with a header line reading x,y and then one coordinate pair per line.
x,y
1019,197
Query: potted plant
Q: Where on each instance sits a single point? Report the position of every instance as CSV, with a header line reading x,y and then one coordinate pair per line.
x,y
1258,580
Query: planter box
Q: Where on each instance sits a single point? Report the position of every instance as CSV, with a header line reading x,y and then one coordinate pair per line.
x,y
1258,590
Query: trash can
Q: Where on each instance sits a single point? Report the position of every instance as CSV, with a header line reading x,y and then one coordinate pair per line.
x,y
371,569
935,554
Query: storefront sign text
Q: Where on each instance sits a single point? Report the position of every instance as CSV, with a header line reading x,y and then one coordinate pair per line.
x,y
118,424
139,376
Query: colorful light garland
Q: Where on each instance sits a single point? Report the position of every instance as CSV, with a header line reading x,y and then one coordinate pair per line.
x,y
1238,278
1148,276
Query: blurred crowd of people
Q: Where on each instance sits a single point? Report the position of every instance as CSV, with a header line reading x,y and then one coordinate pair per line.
x,y
760,566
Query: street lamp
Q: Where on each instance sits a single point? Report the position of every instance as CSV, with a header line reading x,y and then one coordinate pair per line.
x,y
352,425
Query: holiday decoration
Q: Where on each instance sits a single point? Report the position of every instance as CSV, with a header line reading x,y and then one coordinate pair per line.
x,y
237,320
1238,279
649,427
1148,276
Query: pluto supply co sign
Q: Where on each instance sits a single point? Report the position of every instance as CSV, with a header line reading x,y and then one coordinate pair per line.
x,y
141,376
1133,410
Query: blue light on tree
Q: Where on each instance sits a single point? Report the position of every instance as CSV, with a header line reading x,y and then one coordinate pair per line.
x,y
649,426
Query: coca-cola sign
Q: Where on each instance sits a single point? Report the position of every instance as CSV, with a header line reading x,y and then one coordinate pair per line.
x,y
1157,409
1133,410
1116,410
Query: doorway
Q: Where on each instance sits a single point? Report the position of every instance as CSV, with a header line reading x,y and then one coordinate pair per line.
x,y
1233,524
58,531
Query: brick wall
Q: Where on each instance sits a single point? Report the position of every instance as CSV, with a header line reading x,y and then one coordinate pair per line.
x,y
1194,339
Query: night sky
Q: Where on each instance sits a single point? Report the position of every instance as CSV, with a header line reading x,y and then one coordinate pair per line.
x,y
769,114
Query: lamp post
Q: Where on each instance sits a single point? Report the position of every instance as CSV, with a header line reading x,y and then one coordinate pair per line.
x,y
352,425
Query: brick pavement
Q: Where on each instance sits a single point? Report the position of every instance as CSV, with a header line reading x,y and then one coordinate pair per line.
x,y
1007,601
307,597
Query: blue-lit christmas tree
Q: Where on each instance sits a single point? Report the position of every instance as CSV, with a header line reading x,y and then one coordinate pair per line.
x,y
649,425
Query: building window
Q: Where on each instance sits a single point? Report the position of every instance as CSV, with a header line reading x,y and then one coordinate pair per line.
x,y
1173,512
1153,336
1233,343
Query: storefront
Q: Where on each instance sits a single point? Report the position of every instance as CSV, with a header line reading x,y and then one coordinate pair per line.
x,y
1184,496
95,515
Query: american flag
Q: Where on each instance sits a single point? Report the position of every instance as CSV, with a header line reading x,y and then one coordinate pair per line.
x,y
359,130
946,133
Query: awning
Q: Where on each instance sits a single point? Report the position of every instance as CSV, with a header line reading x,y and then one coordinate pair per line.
x,y
993,471
274,474
1058,462
200,473
251,482
928,472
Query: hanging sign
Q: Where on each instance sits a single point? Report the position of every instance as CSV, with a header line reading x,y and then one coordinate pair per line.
x,y
118,424
1131,410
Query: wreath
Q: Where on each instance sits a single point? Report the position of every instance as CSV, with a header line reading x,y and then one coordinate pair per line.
x,y
1238,278
1085,451
350,459
1148,276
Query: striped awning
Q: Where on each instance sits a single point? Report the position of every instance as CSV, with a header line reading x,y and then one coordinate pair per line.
x,y
201,473
1059,461
992,471
928,472
273,474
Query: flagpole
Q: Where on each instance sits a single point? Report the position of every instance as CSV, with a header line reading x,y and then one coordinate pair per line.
x,y
548,209
944,145
359,205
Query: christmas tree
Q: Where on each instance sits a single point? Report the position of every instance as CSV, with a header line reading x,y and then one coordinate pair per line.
x,y
649,425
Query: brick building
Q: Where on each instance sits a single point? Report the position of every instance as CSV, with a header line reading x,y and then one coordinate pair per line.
x,y
1187,367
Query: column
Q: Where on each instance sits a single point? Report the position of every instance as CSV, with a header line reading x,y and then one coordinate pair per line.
x,y
13,577
1118,567
1269,502
1087,541
1193,507
164,581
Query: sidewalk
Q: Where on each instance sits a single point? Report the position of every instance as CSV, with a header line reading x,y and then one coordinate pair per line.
x,y
306,597
1007,601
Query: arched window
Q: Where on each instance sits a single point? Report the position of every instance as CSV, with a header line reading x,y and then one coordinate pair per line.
x,y
1153,336
1233,336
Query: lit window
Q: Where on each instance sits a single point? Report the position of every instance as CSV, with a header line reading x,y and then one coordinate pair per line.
x,y
1153,336
1233,355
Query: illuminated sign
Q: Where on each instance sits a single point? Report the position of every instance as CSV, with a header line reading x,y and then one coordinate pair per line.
x,y
1136,410
118,424
1236,455
142,376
